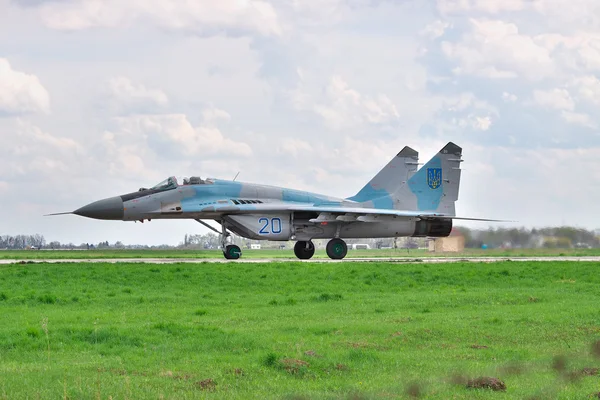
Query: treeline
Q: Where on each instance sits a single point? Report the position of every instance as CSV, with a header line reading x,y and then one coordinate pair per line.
x,y
207,241
561,237
21,241
558,237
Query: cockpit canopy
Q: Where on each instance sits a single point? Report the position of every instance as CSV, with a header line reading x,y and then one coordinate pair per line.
x,y
196,180
169,183
172,183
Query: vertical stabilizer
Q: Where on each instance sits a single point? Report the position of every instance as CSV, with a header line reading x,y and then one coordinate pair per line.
x,y
434,187
395,174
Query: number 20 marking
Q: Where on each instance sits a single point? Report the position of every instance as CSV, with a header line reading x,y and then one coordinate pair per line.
x,y
274,224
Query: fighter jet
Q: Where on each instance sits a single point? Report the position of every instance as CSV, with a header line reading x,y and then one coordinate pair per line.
x,y
401,200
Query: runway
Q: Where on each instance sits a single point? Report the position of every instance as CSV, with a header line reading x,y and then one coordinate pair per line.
x,y
432,260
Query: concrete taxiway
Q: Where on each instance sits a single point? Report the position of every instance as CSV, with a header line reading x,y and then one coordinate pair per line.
x,y
317,260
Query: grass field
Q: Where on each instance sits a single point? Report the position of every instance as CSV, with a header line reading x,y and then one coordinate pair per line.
x,y
298,330
79,254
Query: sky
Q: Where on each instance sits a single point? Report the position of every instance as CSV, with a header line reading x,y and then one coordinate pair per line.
x,y
101,97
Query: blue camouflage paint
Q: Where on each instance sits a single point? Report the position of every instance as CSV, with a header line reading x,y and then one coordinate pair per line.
x,y
207,197
385,202
380,197
368,193
225,188
294,196
427,185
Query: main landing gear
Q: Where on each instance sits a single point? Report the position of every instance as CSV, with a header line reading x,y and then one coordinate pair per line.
x,y
336,249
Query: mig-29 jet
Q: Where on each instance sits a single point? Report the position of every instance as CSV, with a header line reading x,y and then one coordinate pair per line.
x,y
401,200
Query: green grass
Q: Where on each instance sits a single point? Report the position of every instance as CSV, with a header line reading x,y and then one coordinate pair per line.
x,y
112,253
296,330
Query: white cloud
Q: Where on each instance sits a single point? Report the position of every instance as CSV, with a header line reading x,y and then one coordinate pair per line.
x,y
532,180
124,156
435,29
343,107
509,97
203,17
130,95
213,115
468,111
21,93
574,16
578,119
496,49
295,147
475,122
33,154
173,135
318,9
559,99
467,101
576,52
588,88
487,6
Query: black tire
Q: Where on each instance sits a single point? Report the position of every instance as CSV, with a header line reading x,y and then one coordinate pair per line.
x,y
304,251
336,249
232,252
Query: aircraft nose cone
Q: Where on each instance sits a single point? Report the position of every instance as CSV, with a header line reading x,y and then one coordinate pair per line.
x,y
111,208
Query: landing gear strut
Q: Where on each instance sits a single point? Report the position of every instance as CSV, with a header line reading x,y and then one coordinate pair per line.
x,y
230,251
336,249
304,250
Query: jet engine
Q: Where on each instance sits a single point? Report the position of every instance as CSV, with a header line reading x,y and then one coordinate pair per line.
x,y
433,228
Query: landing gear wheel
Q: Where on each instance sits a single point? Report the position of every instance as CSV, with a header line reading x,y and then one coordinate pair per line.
x,y
304,250
232,252
336,249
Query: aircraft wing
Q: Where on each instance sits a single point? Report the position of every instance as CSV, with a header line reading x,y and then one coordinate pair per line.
x,y
374,212
340,213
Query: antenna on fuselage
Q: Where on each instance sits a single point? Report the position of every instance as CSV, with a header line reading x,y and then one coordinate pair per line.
x,y
236,175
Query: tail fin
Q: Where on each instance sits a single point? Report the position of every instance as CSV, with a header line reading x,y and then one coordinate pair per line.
x,y
395,174
435,186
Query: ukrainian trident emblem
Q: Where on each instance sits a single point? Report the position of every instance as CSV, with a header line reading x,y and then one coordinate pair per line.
x,y
434,177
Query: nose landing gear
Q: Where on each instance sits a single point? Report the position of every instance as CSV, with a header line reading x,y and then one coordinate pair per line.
x,y
230,251
304,250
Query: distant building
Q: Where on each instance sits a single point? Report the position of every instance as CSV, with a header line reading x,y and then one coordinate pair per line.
x,y
454,243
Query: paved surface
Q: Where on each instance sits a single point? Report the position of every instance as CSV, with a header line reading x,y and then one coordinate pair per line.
x,y
323,260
